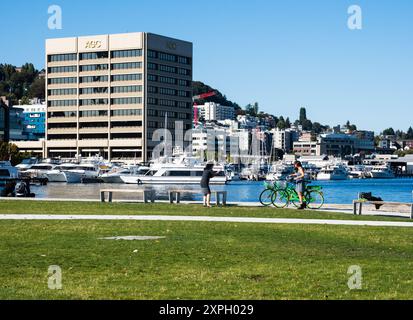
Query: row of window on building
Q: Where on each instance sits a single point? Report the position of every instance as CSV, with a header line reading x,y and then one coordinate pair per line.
x,y
95,55
96,113
90,102
90,79
100,90
96,67
120,54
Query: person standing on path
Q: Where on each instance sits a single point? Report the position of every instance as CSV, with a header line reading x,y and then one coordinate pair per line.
x,y
207,175
300,183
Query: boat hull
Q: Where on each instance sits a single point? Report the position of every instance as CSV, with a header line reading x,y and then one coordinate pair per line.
x,y
165,180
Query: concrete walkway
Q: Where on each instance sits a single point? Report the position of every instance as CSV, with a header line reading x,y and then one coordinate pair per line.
x,y
206,219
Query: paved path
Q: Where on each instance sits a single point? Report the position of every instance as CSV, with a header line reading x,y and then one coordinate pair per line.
x,y
207,219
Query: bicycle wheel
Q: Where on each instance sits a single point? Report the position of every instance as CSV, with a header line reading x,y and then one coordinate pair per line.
x,y
280,199
315,199
266,197
294,199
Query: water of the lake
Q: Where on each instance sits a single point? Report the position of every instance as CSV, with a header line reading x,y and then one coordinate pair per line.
x,y
336,192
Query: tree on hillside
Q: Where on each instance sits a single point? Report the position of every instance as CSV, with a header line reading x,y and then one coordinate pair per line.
x,y
288,123
409,134
37,89
281,123
389,132
199,87
303,116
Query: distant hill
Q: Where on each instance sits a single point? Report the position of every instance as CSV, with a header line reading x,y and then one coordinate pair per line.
x,y
200,88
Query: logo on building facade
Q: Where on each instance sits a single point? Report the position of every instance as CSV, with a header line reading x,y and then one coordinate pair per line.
x,y
93,44
171,45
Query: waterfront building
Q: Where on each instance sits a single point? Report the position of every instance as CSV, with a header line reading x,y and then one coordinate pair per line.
x,y
336,144
284,139
108,94
17,130
305,148
34,120
212,111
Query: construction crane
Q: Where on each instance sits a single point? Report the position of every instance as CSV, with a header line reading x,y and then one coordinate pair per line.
x,y
200,97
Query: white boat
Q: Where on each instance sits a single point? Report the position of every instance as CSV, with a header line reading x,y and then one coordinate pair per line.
x,y
333,173
81,172
175,175
358,172
40,170
58,174
279,173
26,164
114,176
382,172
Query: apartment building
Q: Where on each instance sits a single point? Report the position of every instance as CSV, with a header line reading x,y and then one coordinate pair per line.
x,y
108,94
212,111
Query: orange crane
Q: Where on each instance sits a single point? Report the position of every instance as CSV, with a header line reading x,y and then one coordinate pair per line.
x,y
200,97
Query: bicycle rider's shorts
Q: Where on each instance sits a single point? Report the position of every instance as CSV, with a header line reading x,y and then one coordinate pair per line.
x,y
300,186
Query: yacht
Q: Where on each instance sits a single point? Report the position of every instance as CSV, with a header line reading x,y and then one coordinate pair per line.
x,y
26,164
333,173
279,173
382,172
175,175
81,172
39,171
58,174
8,177
357,172
114,176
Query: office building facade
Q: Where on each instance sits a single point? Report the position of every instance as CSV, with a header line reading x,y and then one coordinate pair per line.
x,y
108,94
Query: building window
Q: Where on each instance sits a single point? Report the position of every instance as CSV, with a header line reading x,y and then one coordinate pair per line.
x,y
126,112
167,80
94,67
127,77
152,66
128,65
167,69
152,78
118,101
93,113
62,80
62,92
62,114
94,79
62,57
94,55
62,103
167,91
126,53
125,89
94,90
91,102
152,101
62,69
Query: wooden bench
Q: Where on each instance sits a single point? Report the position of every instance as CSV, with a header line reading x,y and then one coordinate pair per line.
x,y
358,205
220,196
148,195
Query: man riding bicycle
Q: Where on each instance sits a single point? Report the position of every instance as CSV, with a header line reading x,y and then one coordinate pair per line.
x,y
299,178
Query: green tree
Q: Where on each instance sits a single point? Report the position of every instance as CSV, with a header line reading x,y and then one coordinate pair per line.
x,y
281,123
409,134
37,89
10,152
317,128
303,115
288,123
389,132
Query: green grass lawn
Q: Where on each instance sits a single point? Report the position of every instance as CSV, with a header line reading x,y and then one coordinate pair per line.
x,y
94,208
198,260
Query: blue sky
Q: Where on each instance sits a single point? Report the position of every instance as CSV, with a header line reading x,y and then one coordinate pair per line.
x,y
283,54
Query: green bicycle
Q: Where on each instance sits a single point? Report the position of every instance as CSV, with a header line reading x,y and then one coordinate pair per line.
x,y
313,196
274,194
